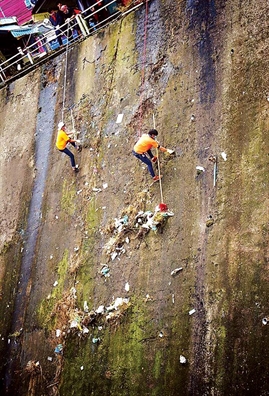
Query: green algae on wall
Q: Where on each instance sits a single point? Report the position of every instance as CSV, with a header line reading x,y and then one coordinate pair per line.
x,y
68,197
46,307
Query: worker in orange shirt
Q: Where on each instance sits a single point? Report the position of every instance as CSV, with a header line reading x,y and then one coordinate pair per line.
x,y
144,145
62,139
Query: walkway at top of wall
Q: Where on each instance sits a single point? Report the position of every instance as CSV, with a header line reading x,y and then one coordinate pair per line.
x,y
11,69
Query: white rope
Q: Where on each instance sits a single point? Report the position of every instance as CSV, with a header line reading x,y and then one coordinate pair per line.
x,y
159,167
65,72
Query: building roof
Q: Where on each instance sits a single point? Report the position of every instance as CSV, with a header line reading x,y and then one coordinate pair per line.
x,y
10,8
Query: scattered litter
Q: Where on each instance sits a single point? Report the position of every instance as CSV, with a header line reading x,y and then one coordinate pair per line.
x,y
200,169
114,255
192,311
173,298
105,271
176,271
224,156
51,256
182,359
58,333
264,321
76,249
100,309
161,334
95,340
94,189
119,118
209,221
56,217
58,349
192,117
55,283
127,286
79,191
49,358
105,185
85,306
100,328
75,323
85,330
81,368
127,240
170,151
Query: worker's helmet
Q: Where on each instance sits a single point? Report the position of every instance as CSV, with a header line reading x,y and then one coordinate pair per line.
x,y
153,132
60,125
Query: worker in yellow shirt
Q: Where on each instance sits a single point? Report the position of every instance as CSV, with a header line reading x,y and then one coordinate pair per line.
x,y
62,139
144,145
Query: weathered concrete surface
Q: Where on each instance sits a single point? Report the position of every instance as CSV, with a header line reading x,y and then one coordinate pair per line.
x,y
205,81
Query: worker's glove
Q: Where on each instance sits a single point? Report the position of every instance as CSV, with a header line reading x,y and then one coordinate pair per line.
x,y
154,159
170,151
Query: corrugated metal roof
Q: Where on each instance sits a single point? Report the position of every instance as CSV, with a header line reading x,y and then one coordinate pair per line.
x,y
10,8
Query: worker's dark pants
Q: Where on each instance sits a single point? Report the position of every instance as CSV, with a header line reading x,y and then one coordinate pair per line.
x,y
70,155
146,160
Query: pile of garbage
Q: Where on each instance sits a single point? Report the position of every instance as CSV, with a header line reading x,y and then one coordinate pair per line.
x,y
138,223
72,320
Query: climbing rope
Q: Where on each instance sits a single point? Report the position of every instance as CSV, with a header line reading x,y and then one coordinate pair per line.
x,y
158,162
143,68
65,73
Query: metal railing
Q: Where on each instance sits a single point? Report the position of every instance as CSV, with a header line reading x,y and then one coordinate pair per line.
x,y
40,51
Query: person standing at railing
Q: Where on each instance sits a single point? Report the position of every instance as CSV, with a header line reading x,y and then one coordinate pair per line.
x,y
69,14
57,20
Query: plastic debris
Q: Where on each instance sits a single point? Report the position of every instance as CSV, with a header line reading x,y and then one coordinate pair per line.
x,y
127,286
173,298
55,283
75,323
85,330
224,156
200,169
209,221
49,358
85,307
113,255
105,271
58,332
182,359
264,321
100,309
161,334
176,271
76,249
119,118
95,340
192,117
170,151
163,207
58,349
81,368
105,185
94,189
192,311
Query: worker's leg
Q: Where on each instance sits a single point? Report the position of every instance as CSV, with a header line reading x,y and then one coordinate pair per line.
x,y
146,161
70,155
